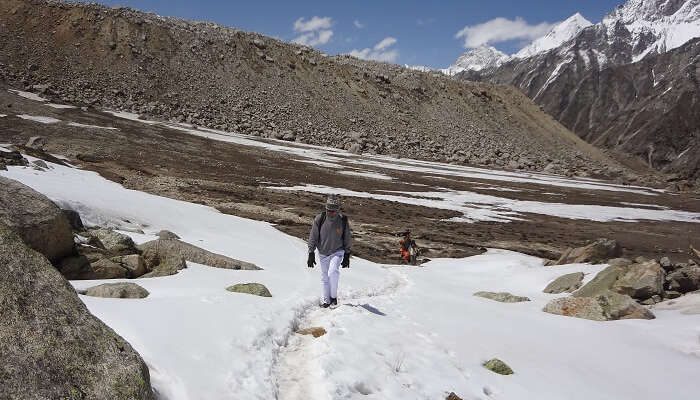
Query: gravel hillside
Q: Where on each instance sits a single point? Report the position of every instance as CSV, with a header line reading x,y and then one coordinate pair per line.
x,y
220,77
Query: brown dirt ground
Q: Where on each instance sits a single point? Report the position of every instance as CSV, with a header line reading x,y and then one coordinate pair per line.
x,y
236,179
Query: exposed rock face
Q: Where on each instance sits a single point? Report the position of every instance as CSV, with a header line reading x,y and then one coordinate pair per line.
x,y
121,290
503,297
194,254
115,242
597,252
606,306
11,158
37,220
498,367
167,235
641,281
134,264
139,62
565,283
162,264
74,220
257,289
615,85
50,345
107,269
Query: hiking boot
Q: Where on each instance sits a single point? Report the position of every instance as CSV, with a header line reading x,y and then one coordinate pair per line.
x,y
324,305
334,302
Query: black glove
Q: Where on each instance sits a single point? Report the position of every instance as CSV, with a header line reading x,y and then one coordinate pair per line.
x,y
312,260
346,261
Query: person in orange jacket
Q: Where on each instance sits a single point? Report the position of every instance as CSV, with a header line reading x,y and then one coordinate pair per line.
x,y
405,246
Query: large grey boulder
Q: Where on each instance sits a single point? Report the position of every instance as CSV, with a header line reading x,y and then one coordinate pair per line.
x,y
162,264
193,253
597,252
37,220
106,269
134,264
602,282
503,297
641,281
685,279
257,289
606,306
114,242
51,347
119,290
565,283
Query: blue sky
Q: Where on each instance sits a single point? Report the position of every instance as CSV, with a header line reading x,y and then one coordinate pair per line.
x,y
404,32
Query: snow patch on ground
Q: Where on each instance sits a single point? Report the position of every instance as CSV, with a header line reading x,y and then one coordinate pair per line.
x,y
28,95
3,115
130,116
92,126
372,175
480,207
404,332
60,106
40,119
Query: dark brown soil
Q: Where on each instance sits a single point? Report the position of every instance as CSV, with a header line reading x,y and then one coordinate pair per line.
x,y
239,180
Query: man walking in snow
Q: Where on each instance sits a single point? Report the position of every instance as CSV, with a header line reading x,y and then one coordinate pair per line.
x,y
330,234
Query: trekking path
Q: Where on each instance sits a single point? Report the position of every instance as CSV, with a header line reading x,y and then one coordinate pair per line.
x,y
428,336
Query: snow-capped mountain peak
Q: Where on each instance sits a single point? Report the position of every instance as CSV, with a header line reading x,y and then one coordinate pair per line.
x,y
561,33
477,59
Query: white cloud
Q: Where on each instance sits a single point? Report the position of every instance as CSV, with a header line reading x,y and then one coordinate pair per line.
x,y
386,42
500,30
314,24
380,51
358,24
314,32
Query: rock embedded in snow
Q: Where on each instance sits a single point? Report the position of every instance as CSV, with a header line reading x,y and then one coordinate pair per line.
x,y
565,283
11,158
52,346
36,142
607,306
194,254
602,282
315,331
167,235
453,396
162,264
257,289
37,220
120,290
498,367
594,253
503,297
641,281
115,242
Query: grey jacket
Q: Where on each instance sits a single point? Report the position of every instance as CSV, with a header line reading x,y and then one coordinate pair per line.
x,y
329,238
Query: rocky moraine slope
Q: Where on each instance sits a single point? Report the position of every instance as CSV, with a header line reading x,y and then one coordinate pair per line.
x,y
219,77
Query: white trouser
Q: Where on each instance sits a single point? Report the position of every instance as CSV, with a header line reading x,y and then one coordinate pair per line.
x,y
330,272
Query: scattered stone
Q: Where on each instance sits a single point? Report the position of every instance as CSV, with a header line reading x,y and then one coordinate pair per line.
x,y
565,283
194,254
603,307
315,331
503,297
115,242
257,289
52,347
665,263
167,235
641,281
498,367
120,290
37,220
594,253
